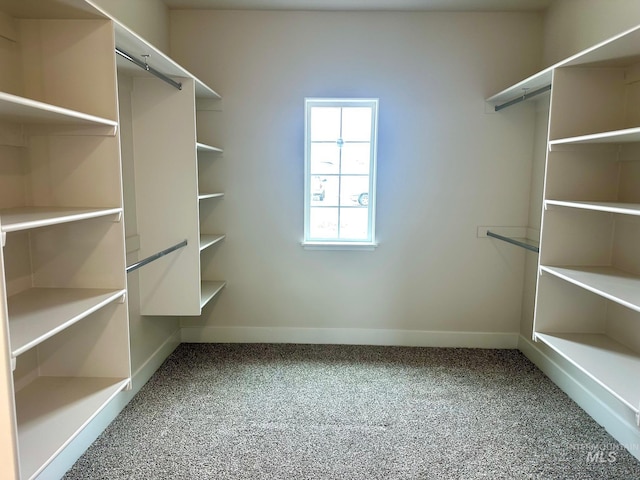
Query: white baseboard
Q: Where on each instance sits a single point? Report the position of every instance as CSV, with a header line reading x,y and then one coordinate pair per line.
x,y
74,450
350,336
616,418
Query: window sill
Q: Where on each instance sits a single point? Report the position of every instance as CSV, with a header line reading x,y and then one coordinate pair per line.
x,y
339,245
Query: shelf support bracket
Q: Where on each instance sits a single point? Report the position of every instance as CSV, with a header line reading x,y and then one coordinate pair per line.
x,y
13,363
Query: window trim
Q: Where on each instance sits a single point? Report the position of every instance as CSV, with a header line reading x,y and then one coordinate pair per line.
x,y
341,244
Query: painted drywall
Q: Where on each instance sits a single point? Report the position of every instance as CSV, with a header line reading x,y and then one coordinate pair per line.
x,y
571,26
446,165
148,18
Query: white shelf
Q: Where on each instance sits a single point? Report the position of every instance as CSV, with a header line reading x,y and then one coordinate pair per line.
x,y
25,110
202,147
39,313
136,46
609,207
624,45
209,290
608,282
528,85
24,218
52,411
207,240
628,135
612,365
204,196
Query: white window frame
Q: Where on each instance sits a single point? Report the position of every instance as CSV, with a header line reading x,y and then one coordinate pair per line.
x,y
368,243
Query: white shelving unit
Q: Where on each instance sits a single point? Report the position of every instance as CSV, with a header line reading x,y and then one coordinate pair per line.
x,y
25,218
206,154
594,354
205,196
39,313
588,290
207,241
63,315
167,150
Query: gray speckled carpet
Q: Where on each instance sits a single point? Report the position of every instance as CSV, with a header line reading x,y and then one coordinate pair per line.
x,y
259,411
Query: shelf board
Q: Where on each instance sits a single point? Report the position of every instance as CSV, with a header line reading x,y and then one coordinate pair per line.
x,y
529,84
616,285
627,135
208,290
609,207
611,364
136,46
202,147
621,46
45,428
207,240
204,196
25,218
39,313
25,110
65,9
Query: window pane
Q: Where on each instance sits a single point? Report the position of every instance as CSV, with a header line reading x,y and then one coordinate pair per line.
x,y
356,124
325,124
325,190
325,158
323,222
356,158
340,144
354,223
354,191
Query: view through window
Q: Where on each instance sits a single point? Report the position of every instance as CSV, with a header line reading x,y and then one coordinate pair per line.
x,y
340,166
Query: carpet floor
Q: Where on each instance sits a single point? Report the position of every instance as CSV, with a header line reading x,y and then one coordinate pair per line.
x,y
259,411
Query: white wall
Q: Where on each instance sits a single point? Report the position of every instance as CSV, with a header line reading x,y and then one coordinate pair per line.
x,y
571,26
445,167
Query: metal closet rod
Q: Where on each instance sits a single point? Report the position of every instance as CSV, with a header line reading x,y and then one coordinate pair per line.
x,y
513,241
148,68
155,256
524,97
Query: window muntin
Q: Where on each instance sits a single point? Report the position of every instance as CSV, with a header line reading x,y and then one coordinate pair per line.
x,y
340,167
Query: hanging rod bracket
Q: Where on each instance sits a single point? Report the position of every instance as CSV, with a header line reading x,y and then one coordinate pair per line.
x,y
145,66
155,256
526,96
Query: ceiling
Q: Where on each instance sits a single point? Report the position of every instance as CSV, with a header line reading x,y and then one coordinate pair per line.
x,y
408,5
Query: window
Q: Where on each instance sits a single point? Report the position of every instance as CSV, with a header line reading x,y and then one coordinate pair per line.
x,y
340,172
